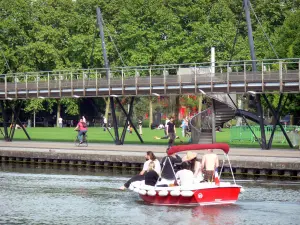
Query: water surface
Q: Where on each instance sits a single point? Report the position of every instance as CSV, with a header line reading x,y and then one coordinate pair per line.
x,y
45,195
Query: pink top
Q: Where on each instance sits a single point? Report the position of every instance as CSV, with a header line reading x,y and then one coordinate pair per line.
x,y
81,128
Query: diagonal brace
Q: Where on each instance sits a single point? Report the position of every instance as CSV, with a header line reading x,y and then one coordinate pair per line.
x,y
276,115
128,119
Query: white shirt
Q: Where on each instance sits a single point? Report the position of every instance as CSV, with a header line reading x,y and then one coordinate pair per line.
x,y
186,177
157,167
83,119
104,120
60,120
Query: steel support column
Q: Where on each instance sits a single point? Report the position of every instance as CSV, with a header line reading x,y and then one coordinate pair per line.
x,y
115,122
276,114
4,115
128,119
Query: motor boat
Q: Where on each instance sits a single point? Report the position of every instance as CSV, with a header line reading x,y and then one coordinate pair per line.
x,y
198,193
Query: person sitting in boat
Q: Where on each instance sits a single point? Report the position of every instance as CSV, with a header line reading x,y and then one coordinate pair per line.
x,y
191,158
210,162
151,176
169,165
141,176
185,176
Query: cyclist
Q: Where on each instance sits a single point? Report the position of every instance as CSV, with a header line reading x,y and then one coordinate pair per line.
x,y
82,129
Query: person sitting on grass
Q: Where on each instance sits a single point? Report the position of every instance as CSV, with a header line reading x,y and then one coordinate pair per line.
x,y
82,130
151,176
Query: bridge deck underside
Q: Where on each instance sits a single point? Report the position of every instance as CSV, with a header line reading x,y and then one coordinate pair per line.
x,y
238,82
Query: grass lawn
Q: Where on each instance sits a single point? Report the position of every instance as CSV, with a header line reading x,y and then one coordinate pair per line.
x,y
97,135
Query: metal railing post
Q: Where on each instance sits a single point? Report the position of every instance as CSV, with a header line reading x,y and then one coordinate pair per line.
x,y
16,87
299,73
227,80
5,85
72,88
262,77
122,81
96,77
48,77
150,81
165,81
109,87
59,83
26,85
37,85
280,76
245,77
195,78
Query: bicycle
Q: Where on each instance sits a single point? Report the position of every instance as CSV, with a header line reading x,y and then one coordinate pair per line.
x,y
84,141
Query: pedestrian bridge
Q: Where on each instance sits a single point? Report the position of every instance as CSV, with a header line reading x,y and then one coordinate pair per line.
x,y
280,75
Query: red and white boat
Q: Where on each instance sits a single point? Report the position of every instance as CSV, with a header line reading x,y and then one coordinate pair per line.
x,y
205,193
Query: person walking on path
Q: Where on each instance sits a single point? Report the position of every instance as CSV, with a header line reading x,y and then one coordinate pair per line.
x,y
171,132
140,123
166,126
104,123
210,162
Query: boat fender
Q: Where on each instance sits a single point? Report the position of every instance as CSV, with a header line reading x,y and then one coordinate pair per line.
x,y
175,193
142,192
242,190
151,193
187,193
137,190
163,193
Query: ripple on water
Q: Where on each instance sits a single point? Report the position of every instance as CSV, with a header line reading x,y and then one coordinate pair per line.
x,y
28,198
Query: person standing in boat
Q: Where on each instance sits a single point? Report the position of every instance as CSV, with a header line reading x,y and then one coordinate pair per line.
x,y
171,132
151,176
191,158
150,157
210,162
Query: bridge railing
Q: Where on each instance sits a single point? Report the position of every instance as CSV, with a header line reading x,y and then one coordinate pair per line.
x,y
220,78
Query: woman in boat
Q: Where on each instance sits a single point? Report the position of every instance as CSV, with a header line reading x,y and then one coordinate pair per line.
x,y
195,163
141,176
185,176
151,176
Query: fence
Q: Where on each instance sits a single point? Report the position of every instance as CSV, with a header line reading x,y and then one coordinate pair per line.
x,y
244,134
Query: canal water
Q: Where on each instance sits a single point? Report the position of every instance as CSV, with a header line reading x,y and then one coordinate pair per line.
x,y
64,195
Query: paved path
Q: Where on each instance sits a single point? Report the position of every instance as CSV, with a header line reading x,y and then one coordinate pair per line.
x,y
250,158
130,149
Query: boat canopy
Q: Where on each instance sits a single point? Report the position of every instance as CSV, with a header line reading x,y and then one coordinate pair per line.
x,y
182,148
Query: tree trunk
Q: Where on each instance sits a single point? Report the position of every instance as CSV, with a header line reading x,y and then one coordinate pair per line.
x,y
177,107
150,112
107,107
200,99
58,112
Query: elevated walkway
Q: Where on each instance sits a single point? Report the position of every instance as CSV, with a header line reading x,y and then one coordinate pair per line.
x,y
280,75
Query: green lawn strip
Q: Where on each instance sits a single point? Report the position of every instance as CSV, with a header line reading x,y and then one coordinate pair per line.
x,y
97,135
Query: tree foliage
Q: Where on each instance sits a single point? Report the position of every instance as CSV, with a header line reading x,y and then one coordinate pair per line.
x,y
55,34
